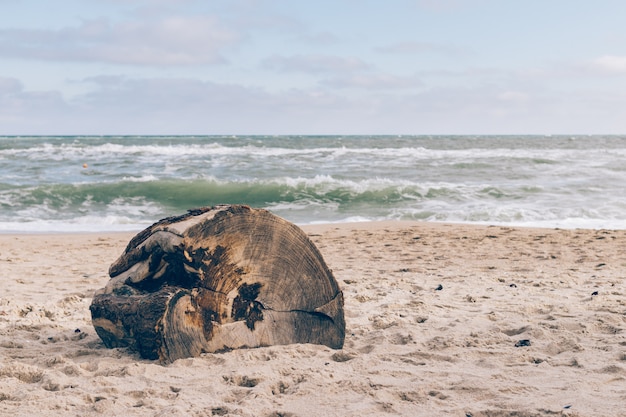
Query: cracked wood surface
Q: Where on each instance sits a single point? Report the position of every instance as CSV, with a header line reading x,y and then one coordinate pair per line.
x,y
216,279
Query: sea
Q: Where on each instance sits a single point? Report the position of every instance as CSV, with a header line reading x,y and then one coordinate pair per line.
x,y
126,183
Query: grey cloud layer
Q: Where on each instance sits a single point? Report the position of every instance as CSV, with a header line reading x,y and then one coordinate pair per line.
x,y
169,41
121,105
314,63
256,71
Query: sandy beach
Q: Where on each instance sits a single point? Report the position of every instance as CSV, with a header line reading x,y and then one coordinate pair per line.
x,y
442,319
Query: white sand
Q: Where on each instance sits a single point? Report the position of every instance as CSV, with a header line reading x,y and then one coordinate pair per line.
x,y
410,349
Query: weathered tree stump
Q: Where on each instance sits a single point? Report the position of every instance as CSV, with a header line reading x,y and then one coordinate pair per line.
x,y
215,279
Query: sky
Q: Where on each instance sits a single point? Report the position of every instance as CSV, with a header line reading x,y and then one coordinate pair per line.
x,y
272,67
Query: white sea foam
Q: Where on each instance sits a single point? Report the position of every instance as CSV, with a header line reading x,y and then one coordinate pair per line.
x,y
63,151
81,224
112,182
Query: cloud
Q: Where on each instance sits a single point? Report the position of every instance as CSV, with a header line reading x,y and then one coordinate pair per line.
x,y
610,64
448,5
125,105
414,47
168,41
314,63
149,2
374,82
320,38
193,100
9,86
511,96
27,110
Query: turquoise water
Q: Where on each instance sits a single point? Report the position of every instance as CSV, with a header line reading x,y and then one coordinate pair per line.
x,y
126,183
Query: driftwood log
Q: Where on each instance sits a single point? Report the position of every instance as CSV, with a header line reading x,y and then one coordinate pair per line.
x,y
215,279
